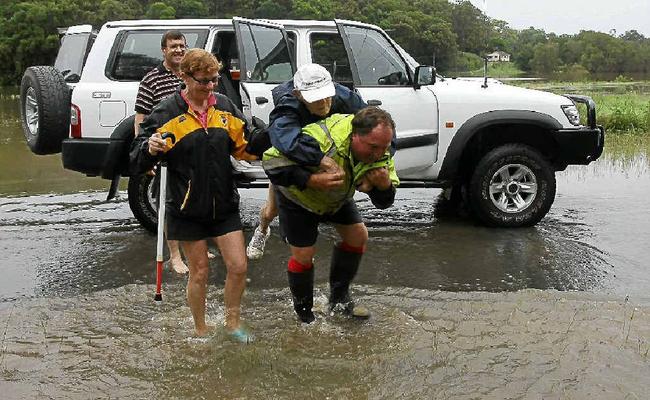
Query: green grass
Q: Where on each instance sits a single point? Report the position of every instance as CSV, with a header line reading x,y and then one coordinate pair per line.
x,y
621,107
495,70
624,113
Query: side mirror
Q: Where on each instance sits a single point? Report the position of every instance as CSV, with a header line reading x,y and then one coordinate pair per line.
x,y
424,75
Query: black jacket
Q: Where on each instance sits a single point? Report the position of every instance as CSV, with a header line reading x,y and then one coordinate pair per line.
x,y
200,180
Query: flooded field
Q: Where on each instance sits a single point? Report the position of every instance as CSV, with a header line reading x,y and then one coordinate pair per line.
x,y
557,311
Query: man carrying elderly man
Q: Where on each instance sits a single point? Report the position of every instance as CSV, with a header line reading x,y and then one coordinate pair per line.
x,y
358,157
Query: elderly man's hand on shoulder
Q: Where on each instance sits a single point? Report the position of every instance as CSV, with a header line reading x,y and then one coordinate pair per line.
x,y
326,180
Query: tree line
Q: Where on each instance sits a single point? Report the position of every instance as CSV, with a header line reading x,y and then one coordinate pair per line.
x,y
453,34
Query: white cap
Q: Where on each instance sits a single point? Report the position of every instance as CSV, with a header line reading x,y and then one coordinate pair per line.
x,y
314,83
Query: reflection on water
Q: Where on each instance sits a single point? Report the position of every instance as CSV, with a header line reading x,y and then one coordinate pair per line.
x,y
74,244
419,344
21,171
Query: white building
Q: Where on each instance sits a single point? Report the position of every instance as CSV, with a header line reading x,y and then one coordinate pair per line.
x,y
499,56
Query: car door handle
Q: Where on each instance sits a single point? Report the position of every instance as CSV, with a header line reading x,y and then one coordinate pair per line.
x,y
374,102
261,100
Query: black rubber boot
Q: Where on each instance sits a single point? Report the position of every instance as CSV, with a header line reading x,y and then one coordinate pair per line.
x,y
343,269
302,291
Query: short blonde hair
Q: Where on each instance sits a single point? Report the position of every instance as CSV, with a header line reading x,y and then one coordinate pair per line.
x,y
199,60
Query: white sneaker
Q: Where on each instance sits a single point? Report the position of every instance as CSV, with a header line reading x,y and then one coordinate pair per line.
x,y
255,249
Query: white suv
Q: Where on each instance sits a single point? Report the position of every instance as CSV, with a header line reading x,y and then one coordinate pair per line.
x,y
496,146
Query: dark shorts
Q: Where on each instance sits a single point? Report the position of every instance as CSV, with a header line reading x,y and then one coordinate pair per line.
x,y
299,227
189,230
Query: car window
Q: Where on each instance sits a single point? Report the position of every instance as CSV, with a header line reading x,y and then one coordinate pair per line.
x,y
137,52
327,49
225,49
266,54
377,61
72,55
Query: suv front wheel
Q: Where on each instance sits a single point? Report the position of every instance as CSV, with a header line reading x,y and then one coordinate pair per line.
x,y
512,186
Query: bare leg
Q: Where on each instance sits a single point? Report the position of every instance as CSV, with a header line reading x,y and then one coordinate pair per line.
x,y
175,259
255,249
355,235
231,247
269,211
196,252
303,255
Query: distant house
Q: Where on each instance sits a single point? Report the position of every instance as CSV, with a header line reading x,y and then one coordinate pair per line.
x,y
499,56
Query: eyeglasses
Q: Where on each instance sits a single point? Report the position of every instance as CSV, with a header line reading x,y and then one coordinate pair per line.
x,y
205,82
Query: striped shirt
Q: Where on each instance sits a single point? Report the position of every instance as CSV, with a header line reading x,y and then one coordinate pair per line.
x,y
156,85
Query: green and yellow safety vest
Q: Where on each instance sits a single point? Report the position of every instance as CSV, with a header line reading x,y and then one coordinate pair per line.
x,y
334,136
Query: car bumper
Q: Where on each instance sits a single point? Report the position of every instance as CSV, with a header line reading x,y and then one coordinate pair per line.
x,y
584,144
580,146
85,155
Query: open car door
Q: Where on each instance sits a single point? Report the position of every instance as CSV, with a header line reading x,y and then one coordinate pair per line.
x,y
383,78
266,59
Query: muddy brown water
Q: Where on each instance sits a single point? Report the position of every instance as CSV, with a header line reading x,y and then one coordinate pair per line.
x,y
560,310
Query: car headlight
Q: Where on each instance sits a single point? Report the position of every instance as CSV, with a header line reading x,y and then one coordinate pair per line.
x,y
571,112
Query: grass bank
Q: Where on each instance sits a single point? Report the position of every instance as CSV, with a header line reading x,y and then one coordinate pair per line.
x,y
624,113
495,70
621,107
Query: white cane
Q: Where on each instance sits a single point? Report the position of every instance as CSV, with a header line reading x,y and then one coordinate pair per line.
x,y
161,220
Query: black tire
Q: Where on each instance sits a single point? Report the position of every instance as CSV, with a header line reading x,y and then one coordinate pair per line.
x,y
460,199
453,202
44,109
512,186
142,192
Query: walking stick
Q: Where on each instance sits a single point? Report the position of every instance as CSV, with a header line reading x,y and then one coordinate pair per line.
x,y
161,220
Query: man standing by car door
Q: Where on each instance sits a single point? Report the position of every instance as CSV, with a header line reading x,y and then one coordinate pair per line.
x,y
156,85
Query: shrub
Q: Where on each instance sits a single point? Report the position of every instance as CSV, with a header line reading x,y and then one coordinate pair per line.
x,y
622,78
573,73
468,61
622,114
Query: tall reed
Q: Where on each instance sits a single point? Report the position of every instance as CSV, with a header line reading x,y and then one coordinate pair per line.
x,y
629,113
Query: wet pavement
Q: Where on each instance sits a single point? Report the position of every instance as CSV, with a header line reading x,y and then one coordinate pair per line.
x,y
560,310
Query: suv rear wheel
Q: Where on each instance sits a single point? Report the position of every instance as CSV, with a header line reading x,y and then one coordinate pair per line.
x,y
45,109
512,186
142,192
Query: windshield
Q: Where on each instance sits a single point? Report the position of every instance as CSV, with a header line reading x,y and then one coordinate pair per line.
x,y
72,55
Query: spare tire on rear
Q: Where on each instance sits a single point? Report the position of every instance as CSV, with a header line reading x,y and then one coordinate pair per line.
x,y
44,109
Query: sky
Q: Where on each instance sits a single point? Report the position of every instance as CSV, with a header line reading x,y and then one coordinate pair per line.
x,y
571,16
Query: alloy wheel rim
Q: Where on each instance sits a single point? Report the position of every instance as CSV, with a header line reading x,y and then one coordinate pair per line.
x,y
151,197
31,111
513,188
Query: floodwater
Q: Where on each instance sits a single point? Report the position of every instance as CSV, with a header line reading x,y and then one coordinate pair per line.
x,y
460,311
